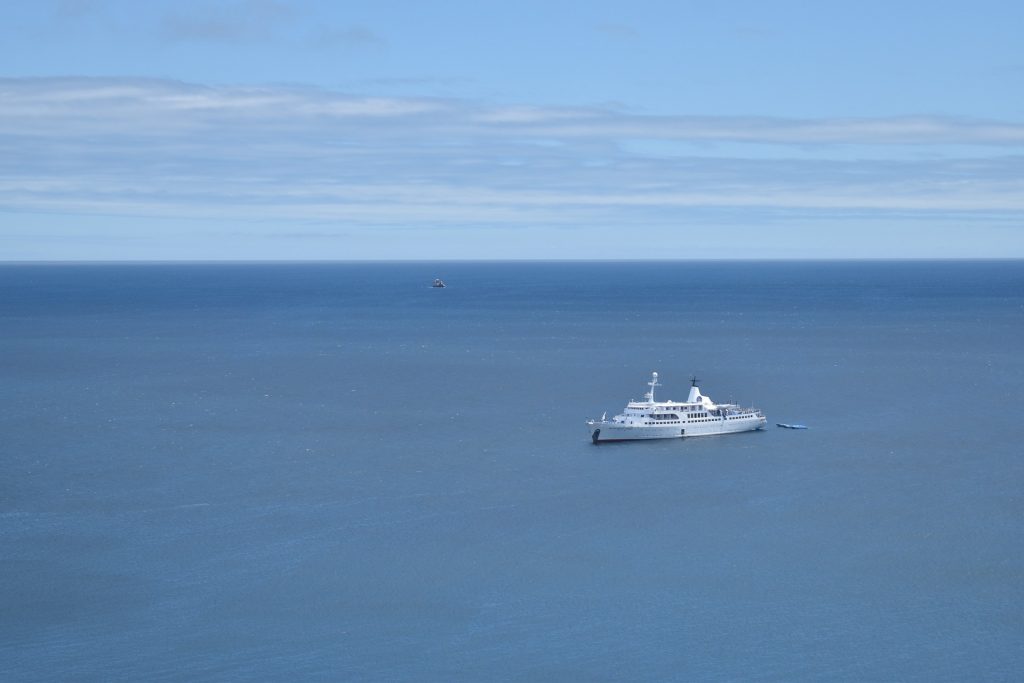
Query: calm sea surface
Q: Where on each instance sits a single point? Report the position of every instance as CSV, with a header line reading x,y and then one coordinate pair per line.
x,y
335,472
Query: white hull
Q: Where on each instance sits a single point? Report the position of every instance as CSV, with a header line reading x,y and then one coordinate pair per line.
x,y
611,431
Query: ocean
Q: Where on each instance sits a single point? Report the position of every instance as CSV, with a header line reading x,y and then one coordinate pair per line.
x,y
332,471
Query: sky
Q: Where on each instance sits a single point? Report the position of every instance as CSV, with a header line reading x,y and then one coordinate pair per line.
x,y
313,130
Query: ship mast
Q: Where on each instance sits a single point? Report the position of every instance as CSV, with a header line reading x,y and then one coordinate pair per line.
x,y
653,383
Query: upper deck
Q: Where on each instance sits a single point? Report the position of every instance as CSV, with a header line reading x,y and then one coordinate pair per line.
x,y
696,404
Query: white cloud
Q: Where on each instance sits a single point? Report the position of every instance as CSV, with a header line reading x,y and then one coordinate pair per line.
x,y
165,148
77,102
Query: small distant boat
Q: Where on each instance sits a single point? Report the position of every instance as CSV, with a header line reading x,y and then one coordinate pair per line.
x,y
786,426
438,283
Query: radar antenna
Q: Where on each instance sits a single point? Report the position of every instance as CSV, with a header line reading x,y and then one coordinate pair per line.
x,y
693,380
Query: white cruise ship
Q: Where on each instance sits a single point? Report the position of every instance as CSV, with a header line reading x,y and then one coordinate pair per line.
x,y
697,416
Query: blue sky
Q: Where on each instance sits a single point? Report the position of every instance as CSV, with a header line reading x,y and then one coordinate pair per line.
x,y
262,129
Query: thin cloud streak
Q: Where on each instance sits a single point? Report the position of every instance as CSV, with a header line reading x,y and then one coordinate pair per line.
x,y
245,21
350,37
24,100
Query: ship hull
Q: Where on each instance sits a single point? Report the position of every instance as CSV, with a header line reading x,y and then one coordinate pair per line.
x,y
601,432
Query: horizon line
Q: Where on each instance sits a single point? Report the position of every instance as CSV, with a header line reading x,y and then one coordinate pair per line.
x,y
821,259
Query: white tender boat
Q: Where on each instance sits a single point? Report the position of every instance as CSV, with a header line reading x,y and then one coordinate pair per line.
x,y
697,416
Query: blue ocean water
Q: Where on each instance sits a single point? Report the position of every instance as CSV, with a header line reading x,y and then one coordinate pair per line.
x,y
333,471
